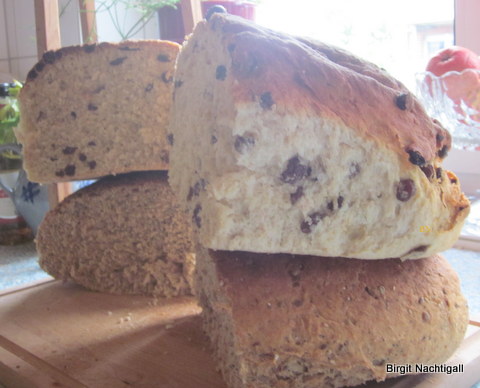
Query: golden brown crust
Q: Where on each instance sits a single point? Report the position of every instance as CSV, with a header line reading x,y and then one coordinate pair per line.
x,y
304,75
51,56
123,234
339,320
455,200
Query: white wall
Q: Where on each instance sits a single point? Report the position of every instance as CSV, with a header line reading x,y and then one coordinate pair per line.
x,y
18,50
467,25
17,37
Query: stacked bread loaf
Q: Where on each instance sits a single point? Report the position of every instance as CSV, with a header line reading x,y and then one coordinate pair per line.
x,y
92,112
296,160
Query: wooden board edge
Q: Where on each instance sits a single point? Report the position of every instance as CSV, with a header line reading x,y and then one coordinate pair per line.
x,y
27,286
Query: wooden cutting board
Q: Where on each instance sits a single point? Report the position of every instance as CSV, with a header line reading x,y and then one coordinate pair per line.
x,y
61,335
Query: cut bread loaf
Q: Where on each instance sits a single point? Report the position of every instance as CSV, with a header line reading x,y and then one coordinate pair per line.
x,y
123,234
284,144
285,321
94,110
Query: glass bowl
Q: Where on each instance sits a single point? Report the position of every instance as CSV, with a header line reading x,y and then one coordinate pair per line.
x,y
454,100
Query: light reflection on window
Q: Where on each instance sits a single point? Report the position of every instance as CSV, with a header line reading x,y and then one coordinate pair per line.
x,y
399,36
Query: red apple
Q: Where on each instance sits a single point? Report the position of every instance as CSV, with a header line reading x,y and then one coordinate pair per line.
x,y
462,83
454,58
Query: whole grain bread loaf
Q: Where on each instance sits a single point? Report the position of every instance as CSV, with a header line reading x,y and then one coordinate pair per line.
x,y
284,144
123,234
286,321
98,109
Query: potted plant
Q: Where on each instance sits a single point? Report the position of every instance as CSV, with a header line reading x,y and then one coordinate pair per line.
x,y
145,11
13,228
171,21
9,118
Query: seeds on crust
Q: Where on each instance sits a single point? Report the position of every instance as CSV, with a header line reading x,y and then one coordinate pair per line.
x,y
70,170
442,153
221,73
163,58
416,158
69,150
401,101
89,48
266,101
117,61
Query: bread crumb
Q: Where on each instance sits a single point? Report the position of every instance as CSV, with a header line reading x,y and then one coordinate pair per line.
x,y
127,318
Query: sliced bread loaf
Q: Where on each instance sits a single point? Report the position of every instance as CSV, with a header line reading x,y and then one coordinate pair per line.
x,y
94,110
284,321
282,144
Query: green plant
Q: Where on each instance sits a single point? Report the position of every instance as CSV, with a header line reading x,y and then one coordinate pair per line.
x,y
9,111
146,8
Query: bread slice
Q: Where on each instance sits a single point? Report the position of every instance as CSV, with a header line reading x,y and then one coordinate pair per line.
x,y
123,234
283,144
283,321
99,109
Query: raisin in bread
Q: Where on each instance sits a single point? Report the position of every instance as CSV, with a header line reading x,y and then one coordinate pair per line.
x,y
123,234
94,110
283,321
283,144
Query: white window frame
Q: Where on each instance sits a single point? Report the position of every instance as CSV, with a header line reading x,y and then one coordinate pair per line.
x,y
466,164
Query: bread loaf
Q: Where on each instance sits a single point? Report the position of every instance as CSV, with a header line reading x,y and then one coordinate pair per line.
x,y
283,144
278,321
98,109
124,234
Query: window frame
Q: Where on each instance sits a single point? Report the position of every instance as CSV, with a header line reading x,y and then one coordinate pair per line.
x,y
466,164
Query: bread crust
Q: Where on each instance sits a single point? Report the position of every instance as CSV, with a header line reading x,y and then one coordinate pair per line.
x,y
330,82
303,321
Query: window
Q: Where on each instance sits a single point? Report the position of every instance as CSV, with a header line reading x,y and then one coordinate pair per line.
x,y
399,36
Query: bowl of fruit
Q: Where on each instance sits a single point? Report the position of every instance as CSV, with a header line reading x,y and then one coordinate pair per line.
x,y
450,92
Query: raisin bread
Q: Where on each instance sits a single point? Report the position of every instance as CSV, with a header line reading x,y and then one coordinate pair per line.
x,y
94,110
284,321
283,144
123,234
